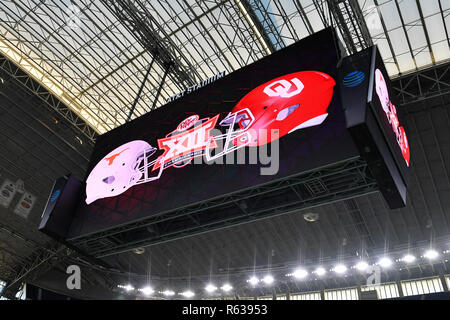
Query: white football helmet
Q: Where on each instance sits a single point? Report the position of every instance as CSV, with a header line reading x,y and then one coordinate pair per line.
x,y
274,109
237,124
382,90
121,169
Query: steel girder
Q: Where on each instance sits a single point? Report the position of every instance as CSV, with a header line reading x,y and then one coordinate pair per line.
x,y
340,181
40,262
49,100
25,268
350,22
270,32
44,258
347,15
424,84
138,20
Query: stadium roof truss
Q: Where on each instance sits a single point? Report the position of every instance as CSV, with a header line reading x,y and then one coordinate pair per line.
x,y
94,55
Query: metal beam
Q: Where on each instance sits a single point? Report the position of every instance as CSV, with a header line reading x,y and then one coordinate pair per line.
x,y
49,100
264,23
351,24
39,259
167,68
423,84
138,20
138,95
275,198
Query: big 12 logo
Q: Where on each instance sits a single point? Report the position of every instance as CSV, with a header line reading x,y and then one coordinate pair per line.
x,y
187,142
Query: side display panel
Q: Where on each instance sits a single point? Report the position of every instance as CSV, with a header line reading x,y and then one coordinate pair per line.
x,y
384,105
373,122
60,208
274,118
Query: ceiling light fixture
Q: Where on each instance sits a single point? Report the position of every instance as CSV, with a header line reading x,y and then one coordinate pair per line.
x,y
147,290
300,273
385,262
188,294
409,258
210,288
226,287
253,281
431,254
340,268
362,266
320,271
168,293
268,279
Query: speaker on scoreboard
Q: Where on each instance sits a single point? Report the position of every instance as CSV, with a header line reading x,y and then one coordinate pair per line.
x,y
61,205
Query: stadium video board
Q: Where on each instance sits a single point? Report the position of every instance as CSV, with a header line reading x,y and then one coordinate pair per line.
x,y
284,108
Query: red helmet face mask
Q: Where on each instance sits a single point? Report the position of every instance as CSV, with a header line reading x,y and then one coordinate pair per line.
x,y
277,108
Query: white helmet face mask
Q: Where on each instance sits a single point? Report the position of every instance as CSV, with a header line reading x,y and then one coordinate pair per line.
x,y
242,119
121,169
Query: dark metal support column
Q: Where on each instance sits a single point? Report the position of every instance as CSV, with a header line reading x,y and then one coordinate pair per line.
x,y
167,67
399,288
444,283
142,87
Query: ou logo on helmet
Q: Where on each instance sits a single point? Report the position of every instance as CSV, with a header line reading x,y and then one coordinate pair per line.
x,y
280,88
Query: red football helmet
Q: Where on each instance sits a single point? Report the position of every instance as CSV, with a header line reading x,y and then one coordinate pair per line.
x,y
276,108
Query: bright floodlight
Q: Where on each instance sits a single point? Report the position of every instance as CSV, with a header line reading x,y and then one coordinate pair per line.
x,y
431,254
128,287
168,293
210,288
361,266
320,271
253,281
188,294
385,262
147,290
268,279
409,258
340,268
226,287
300,273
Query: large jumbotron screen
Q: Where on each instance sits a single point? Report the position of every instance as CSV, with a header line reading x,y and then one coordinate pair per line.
x,y
159,162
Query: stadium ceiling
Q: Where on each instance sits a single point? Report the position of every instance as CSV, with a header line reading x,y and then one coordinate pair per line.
x,y
94,55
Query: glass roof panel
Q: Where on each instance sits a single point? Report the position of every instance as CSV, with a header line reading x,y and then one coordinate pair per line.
x,y
88,58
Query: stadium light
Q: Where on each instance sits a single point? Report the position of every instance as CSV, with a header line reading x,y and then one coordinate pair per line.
x,y
127,287
362,266
431,254
340,268
210,288
409,258
168,293
385,262
268,279
147,290
320,271
188,294
300,273
226,287
253,281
